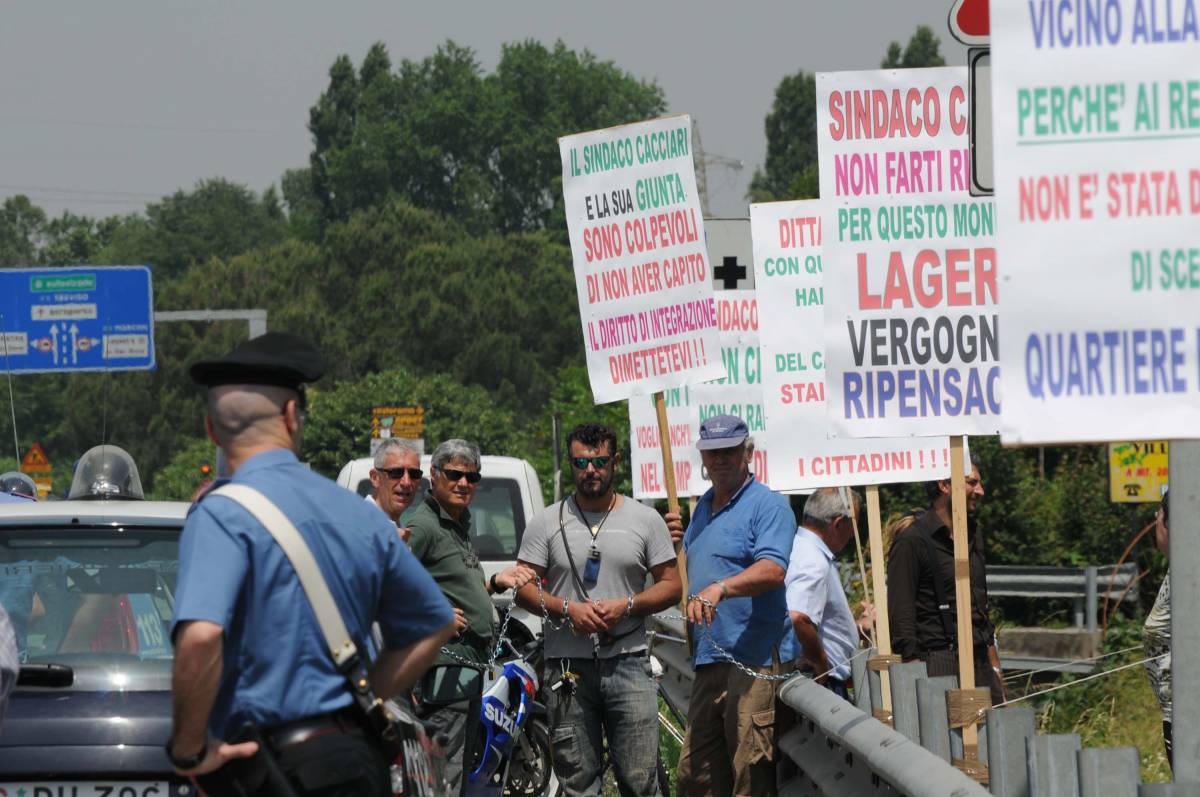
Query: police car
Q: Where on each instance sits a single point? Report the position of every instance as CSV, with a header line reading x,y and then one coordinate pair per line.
x,y
89,585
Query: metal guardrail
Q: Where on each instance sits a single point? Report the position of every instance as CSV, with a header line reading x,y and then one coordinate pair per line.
x,y
840,750
1084,586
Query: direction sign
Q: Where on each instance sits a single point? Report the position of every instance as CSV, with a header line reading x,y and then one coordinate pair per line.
x,y
95,318
406,422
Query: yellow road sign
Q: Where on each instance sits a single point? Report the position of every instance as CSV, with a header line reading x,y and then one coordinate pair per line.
x,y
1137,471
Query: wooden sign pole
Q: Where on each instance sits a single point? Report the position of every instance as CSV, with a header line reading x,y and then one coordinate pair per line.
x,y
862,567
883,633
664,444
965,706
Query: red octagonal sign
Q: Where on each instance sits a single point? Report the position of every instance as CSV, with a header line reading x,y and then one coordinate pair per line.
x,y
969,21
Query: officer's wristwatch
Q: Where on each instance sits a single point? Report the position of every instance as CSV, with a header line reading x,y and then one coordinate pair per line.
x,y
185,763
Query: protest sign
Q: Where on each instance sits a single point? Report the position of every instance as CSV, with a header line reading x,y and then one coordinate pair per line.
x,y
645,453
911,312
738,392
788,269
1096,112
641,267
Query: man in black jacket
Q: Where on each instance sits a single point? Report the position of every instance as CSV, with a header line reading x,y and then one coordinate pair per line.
x,y
921,596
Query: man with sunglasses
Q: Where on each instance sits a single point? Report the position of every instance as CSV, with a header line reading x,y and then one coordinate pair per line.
x,y
440,537
596,549
395,479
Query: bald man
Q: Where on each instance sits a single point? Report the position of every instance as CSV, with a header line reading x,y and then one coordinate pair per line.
x,y
249,653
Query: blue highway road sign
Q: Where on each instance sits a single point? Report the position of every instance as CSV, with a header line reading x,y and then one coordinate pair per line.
x,y
87,318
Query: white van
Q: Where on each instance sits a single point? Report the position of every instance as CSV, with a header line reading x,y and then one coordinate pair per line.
x,y
507,496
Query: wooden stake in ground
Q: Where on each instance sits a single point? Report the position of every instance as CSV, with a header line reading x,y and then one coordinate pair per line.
x,y
664,444
883,633
964,706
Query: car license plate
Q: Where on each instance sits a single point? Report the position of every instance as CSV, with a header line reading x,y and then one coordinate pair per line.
x,y
74,788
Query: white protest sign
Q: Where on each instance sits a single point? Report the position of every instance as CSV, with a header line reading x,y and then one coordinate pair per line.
x,y
1097,125
789,276
646,466
911,316
738,393
641,267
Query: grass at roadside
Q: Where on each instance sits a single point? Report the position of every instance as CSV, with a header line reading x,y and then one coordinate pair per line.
x,y
1118,710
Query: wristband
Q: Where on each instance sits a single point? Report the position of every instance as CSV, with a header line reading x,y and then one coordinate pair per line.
x,y
184,763
629,606
492,583
724,589
566,605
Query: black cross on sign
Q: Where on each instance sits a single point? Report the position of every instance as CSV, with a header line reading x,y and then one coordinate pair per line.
x,y
729,273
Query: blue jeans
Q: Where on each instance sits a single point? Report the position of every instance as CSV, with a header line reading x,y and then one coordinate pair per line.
x,y
616,699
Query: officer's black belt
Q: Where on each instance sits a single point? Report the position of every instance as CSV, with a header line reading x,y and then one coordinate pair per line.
x,y
288,734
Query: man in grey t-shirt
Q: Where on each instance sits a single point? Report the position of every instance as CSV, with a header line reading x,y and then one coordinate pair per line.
x,y
597,550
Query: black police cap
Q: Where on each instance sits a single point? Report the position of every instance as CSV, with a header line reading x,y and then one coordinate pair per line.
x,y
275,358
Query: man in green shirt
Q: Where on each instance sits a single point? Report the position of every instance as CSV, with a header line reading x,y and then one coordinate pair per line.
x,y
440,538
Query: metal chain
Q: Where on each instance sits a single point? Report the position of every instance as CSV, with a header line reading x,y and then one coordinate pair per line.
x,y
501,638
546,612
706,635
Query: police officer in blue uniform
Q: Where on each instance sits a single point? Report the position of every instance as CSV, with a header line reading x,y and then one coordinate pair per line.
x,y
250,660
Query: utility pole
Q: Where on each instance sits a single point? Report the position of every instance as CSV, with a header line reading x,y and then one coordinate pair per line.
x,y
702,159
1185,597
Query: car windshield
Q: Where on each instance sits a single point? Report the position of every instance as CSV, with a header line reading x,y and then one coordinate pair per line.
x,y
497,518
98,601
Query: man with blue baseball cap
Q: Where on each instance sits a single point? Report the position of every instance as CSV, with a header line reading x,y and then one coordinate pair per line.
x,y
738,545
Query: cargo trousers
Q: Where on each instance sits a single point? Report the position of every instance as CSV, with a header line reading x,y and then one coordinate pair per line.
x,y
730,744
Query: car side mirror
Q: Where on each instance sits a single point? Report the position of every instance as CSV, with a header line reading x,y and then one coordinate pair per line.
x,y
444,684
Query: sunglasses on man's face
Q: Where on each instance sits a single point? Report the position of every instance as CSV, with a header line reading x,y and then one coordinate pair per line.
x,y
599,463
395,474
453,475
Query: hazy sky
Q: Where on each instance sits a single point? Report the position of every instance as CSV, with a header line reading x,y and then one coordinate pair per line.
x,y
109,105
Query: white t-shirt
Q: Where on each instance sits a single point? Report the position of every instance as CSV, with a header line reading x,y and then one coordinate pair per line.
x,y
632,541
814,588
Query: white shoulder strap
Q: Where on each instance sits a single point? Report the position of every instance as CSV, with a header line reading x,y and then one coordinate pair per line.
x,y
298,553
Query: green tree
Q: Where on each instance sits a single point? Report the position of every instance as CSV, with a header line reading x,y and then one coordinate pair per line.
x,y
22,225
477,148
217,218
338,428
495,310
923,49
71,239
790,170
179,478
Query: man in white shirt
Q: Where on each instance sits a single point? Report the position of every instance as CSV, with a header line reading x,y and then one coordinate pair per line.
x,y
820,613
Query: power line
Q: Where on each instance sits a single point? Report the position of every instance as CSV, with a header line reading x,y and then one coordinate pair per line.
x,y
71,200
85,191
155,128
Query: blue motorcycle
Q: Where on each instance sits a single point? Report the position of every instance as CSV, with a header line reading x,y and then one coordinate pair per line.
x,y
514,746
